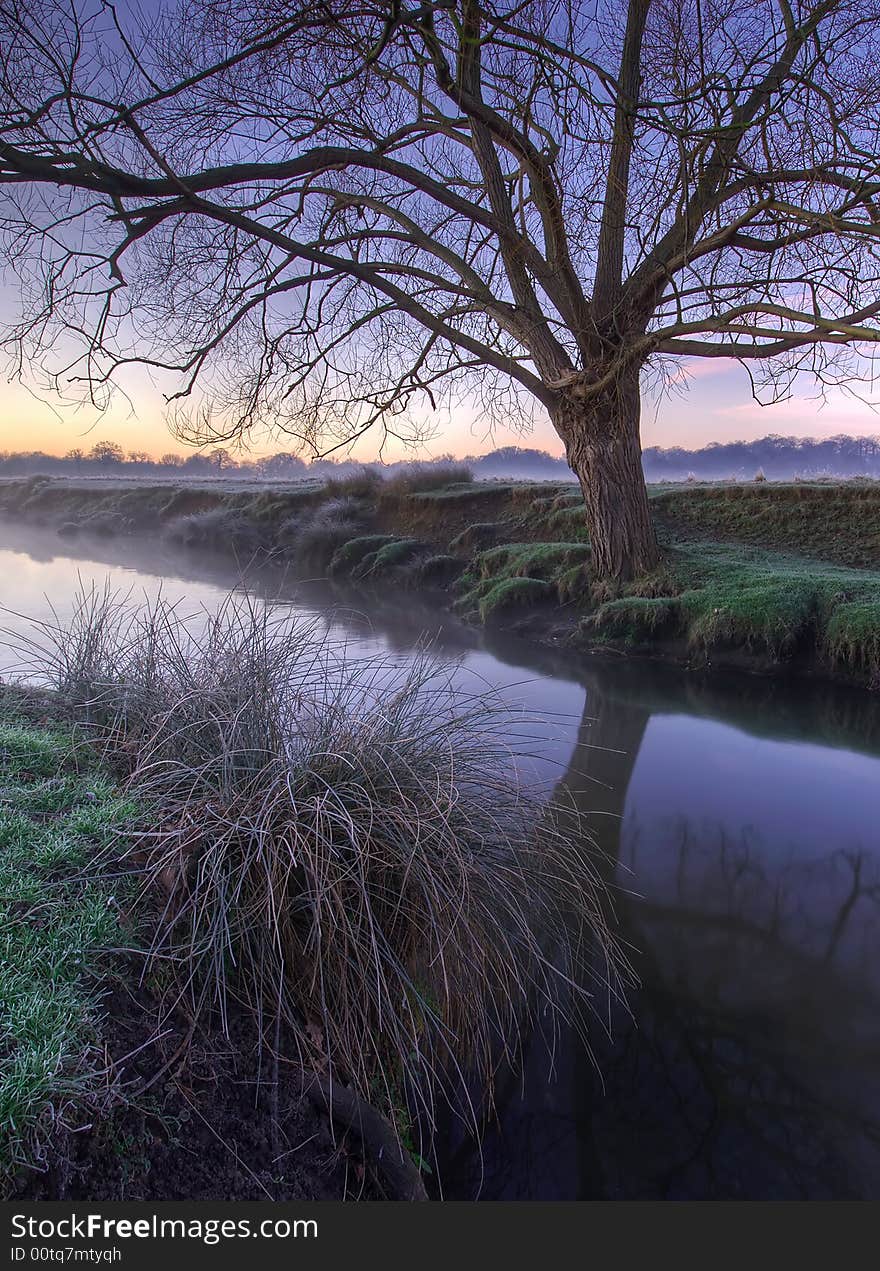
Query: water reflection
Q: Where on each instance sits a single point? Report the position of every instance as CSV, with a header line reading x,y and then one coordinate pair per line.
x,y
738,820
748,1064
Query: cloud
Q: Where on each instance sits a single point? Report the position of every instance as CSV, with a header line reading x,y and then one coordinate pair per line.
x,y
836,414
702,368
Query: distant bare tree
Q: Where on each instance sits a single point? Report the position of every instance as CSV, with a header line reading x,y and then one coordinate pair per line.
x,y
220,458
109,454
316,213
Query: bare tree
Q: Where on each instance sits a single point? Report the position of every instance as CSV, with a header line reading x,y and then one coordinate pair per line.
x,y
108,454
317,214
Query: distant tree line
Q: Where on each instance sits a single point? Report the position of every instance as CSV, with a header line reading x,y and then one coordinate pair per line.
x,y
107,458
777,458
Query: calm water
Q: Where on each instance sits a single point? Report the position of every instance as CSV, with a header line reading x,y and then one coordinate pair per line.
x,y
741,817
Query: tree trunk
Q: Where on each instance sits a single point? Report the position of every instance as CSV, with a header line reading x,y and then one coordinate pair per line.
x,y
601,436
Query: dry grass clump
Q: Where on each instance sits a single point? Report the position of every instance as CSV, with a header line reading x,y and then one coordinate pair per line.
x,y
218,528
423,477
338,847
321,532
364,484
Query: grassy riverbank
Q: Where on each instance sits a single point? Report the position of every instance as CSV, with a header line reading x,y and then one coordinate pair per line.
x,y
103,1096
760,575
58,917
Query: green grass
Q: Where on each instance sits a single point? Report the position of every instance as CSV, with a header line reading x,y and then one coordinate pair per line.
x,y
347,557
533,560
852,635
370,557
772,602
521,575
839,522
512,593
57,917
391,556
720,596
708,596
636,619
481,534
558,514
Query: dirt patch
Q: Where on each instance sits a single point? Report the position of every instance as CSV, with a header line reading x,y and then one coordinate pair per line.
x,y
213,1126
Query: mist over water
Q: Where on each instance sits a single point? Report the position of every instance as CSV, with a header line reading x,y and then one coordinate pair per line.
x,y
738,818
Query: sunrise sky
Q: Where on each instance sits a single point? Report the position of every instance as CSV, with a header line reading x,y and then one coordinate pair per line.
x,y
715,406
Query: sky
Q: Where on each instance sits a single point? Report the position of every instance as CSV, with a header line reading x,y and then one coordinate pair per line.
x,y
714,405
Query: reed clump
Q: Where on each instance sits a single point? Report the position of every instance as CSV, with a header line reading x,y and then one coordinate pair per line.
x,y
335,846
422,478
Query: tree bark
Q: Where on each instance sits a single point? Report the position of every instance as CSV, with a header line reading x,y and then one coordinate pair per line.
x,y
601,435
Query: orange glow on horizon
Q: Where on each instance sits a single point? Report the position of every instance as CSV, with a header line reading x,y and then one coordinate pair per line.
x,y
715,406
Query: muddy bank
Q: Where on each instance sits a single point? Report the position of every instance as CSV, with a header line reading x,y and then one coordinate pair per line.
x,y
212,1126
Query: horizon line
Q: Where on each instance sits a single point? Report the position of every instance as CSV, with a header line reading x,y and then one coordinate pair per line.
x,y
241,458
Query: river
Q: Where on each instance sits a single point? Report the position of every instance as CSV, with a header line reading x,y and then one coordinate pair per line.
x,y
741,818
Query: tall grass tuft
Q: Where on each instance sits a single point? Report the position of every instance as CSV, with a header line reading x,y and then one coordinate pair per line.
x,y
336,847
420,478
363,484
321,531
217,527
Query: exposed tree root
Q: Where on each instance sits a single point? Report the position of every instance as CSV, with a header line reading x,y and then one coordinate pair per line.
x,y
389,1157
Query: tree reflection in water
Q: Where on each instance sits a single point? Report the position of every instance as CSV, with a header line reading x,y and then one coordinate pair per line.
x,y
746,1065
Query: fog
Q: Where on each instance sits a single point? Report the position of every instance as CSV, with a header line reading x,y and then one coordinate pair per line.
x,y
777,458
